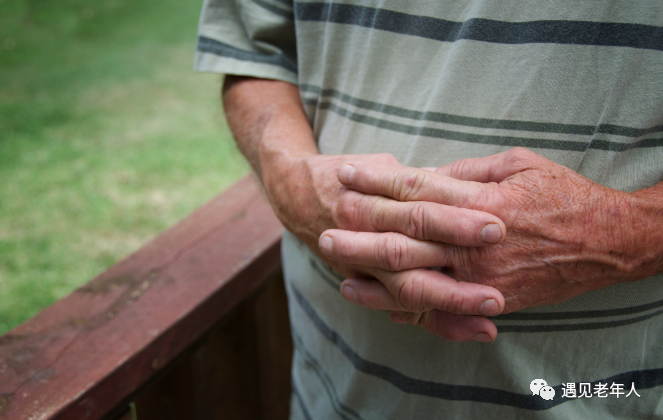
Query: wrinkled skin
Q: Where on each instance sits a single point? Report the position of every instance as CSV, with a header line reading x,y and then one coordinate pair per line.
x,y
273,132
565,235
309,207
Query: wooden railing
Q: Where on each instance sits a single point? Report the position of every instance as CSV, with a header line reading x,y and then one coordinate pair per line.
x,y
192,326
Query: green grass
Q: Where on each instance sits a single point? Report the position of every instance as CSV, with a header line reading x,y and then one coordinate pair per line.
x,y
107,137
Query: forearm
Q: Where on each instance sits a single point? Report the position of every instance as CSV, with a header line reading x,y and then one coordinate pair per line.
x,y
271,129
267,121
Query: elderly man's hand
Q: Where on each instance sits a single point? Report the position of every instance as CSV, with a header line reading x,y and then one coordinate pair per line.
x,y
272,130
317,201
566,234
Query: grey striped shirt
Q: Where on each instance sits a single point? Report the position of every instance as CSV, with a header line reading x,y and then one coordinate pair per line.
x,y
579,82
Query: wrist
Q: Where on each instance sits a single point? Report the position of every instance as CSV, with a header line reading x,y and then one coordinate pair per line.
x,y
287,181
268,121
283,171
644,232
617,243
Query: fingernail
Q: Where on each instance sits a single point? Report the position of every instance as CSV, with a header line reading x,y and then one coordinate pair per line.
x,y
325,245
491,233
348,293
429,169
483,337
395,316
346,173
489,307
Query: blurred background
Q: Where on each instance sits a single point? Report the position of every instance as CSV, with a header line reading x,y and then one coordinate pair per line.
x,y
107,137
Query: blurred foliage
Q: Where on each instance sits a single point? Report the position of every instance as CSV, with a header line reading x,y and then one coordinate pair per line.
x,y
107,137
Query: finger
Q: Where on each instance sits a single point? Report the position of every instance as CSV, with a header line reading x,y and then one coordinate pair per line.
x,y
420,290
494,168
373,294
390,251
451,326
420,220
370,293
409,184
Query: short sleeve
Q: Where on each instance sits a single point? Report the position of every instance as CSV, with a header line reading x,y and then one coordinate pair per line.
x,y
249,38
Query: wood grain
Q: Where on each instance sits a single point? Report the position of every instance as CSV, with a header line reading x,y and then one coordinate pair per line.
x,y
240,370
88,353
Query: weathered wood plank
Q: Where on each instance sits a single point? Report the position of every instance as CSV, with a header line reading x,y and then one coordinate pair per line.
x,y
92,350
274,343
239,371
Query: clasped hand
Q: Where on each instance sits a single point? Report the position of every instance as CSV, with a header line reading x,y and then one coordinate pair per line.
x,y
509,231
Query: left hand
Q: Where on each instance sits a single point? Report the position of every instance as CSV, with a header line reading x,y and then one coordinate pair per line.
x,y
566,235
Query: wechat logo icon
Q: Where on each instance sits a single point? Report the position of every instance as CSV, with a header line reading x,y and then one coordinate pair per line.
x,y
540,387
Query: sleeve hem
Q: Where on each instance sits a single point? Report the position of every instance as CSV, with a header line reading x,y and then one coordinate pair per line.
x,y
211,63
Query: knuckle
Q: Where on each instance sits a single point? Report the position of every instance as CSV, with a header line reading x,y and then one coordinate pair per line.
x,y
458,168
416,222
411,293
406,187
519,156
392,252
356,211
456,303
518,151
346,210
375,213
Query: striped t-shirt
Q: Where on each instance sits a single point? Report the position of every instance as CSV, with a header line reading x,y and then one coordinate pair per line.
x,y
579,82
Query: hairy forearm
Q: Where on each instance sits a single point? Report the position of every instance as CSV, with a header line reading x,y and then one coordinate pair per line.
x,y
271,129
268,122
